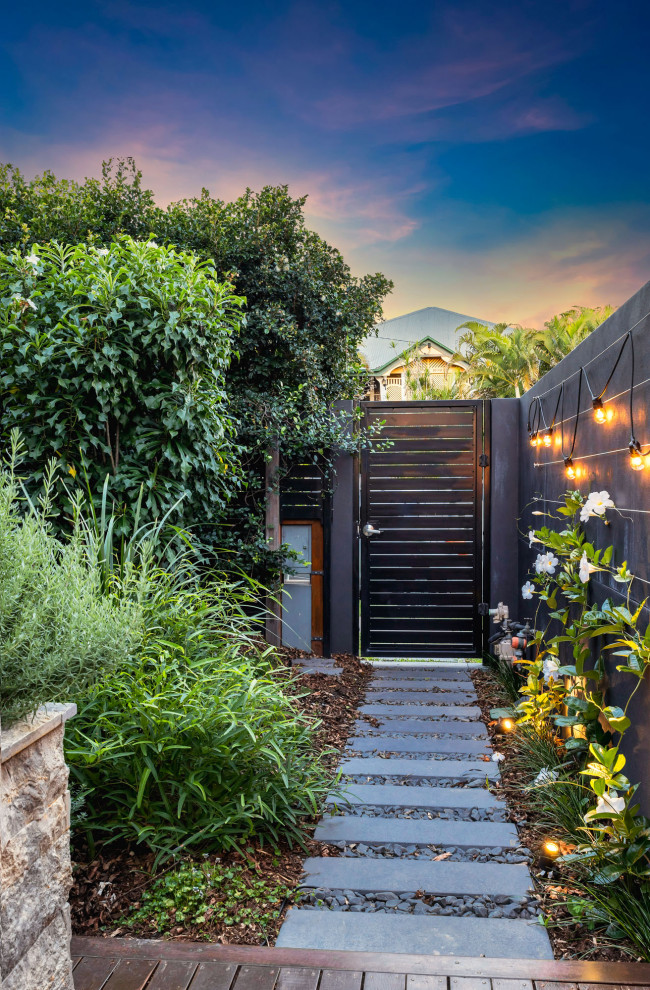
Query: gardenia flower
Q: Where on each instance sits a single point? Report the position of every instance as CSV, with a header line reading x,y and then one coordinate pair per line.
x,y
550,669
610,803
32,258
596,504
585,568
545,776
528,590
545,563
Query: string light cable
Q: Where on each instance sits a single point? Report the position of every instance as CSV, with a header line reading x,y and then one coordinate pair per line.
x,y
534,422
569,467
637,456
597,400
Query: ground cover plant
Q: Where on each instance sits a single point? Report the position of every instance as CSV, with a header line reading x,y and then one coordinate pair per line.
x,y
569,750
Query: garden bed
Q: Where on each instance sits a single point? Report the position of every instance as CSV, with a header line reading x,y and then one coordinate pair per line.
x,y
569,939
237,897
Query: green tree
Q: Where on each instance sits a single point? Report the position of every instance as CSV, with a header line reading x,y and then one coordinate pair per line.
x,y
502,361
113,363
566,330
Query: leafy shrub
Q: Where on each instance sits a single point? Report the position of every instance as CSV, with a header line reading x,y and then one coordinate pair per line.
x,y
58,633
113,361
194,742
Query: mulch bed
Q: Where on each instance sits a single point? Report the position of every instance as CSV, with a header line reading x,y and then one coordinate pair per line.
x,y
109,885
570,941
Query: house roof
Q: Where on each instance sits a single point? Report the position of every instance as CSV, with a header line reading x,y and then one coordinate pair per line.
x,y
440,326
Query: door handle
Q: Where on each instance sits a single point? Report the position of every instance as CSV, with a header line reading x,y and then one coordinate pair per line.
x,y
369,530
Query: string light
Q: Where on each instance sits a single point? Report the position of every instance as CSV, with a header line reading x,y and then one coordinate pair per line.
x,y
569,468
599,412
547,439
637,460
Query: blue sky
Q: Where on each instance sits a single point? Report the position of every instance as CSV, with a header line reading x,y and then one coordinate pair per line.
x,y
490,158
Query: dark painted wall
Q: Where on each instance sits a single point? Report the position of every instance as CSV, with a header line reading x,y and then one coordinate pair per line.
x,y
504,502
603,461
343,555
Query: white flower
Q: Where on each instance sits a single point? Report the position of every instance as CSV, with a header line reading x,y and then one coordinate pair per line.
x,y
546,563
550,669
528,590
585,569
102,250
596,504
497,757
25,302
532,538
545,776
610,803
152,243
32,258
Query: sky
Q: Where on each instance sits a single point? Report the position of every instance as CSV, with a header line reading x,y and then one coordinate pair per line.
x,y
489,158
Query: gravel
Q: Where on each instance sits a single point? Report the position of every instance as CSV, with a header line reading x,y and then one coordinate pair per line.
x,y
415,781
396,754
415,902
397,811
450,853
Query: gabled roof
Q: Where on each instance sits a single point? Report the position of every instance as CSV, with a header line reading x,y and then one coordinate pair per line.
x,y
440,326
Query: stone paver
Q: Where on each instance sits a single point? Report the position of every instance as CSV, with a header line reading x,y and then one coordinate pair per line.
x,y
391,744
479,902
419,697
433,936
407,875
401,795
412,726
376,766
419,832
466,712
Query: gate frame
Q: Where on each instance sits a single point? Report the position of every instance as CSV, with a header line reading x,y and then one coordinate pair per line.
x,y
482,541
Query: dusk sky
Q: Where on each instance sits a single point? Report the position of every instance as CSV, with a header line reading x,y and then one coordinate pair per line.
x,y
490,158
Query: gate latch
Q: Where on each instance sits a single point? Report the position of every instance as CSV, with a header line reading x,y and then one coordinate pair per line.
x,y
484,460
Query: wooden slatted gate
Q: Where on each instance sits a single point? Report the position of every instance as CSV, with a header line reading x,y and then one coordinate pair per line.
x,y
425,497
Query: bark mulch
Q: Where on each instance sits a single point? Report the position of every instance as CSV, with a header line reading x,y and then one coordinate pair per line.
x,y
569,939
108,886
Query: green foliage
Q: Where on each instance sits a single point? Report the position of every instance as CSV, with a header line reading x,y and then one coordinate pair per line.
x,y
200,893
564,687
113,362
504,361
58,632
194,741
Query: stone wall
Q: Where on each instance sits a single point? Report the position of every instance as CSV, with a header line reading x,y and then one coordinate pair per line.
x,y
35,854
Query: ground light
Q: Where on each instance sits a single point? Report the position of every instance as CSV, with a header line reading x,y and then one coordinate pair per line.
x,y
507,724
549,853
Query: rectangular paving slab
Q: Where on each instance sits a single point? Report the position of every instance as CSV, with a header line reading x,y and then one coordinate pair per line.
x,y
400,876
427,935
389,744
468,712
419,832
374,766
403,796
410,726
420,697
400,684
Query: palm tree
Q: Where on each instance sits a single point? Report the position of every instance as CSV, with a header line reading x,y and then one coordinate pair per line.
x,y
564,332
502,361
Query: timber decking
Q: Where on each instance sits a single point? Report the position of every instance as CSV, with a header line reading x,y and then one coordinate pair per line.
x,y
138,964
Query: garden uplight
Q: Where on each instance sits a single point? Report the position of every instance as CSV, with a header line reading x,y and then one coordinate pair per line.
x,y
507,724
551,848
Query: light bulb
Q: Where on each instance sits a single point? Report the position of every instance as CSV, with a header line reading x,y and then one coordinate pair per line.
x,y
547,439
599,412
551,848
637,460
534,440
569,468
507,724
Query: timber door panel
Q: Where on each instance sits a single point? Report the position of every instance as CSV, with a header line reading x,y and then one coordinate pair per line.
x,y
422,504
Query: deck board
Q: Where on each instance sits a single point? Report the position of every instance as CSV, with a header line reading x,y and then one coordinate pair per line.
x,y
140,964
